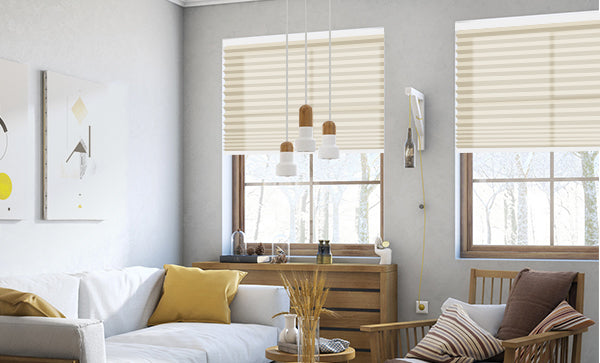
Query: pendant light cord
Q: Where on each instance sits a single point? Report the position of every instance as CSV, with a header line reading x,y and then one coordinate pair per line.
x,y
329,60
423,190
287,21
306,52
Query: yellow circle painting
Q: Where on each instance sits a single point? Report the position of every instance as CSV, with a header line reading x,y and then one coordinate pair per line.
x,y
5,186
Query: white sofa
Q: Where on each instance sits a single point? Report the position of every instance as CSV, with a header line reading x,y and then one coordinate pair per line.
x,y
107,314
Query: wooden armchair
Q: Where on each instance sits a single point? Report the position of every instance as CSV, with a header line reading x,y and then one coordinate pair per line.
x,y
393,340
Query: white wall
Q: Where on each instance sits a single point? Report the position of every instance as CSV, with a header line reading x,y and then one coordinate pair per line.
x,y
419,52
136,47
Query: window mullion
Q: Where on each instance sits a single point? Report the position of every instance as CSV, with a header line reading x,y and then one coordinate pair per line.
x,y
311,188
552,199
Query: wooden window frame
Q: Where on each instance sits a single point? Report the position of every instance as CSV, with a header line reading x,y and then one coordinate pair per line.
x,y
469,250
310,248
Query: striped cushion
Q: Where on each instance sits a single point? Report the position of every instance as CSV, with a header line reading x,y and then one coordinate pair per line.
x,y
563,317
456,338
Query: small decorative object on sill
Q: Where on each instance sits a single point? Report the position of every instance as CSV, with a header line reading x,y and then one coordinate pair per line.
x,y
327,256
250,251
238,246
280,255
383,250
289,334
260,249
320,249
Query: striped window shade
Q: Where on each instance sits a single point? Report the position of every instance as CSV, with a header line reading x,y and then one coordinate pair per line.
x,y
528,86
254,89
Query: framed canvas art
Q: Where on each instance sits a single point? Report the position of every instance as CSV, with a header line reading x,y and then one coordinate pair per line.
x,y
14,126
73,110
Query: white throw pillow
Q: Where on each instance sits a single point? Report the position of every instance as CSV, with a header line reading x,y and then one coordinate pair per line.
x,y
488,317
61,290
123,299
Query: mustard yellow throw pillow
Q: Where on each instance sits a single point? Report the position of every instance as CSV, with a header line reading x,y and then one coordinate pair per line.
x,y
191,294
17,303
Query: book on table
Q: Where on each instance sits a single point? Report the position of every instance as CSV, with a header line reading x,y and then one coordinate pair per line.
x,y
246,258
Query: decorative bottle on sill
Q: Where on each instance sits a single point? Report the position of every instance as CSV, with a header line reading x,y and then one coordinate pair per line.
x,y
320,250
327,256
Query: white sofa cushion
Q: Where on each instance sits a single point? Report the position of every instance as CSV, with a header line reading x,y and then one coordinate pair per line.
x,y
271,299
34,336
123,299
221,342
127,353
488,317
61,290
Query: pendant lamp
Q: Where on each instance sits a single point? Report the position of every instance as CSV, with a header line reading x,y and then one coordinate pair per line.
x,y
286,166
329,149
305,141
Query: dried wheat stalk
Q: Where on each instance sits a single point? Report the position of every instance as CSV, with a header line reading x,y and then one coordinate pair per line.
x,y
307,293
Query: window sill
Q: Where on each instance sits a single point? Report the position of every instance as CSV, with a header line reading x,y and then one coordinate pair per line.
x,y
532,252
338,259
337,249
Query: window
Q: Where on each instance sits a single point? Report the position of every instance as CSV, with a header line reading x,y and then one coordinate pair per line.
x,y
527,99
339,200
530,204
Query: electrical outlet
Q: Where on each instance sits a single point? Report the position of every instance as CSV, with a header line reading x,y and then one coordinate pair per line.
x,y
422,307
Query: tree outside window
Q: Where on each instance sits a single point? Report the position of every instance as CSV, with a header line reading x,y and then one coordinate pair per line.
x,y
534,200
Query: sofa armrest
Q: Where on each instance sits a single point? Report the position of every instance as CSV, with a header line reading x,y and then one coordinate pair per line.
x,y
256,304
81,339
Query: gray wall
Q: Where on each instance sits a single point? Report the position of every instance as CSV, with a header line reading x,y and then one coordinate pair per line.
x,y
135,46
419,52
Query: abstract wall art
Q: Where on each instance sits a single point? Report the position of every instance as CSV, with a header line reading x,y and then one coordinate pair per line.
x,y
73,110
14,125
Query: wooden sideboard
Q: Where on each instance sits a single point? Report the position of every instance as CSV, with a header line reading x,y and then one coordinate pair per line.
x,y
359,293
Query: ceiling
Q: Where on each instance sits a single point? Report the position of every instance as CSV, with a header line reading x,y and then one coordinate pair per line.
x,y
191,3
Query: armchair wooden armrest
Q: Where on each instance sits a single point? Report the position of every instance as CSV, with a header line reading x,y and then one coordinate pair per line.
x,y
553,344
385,339
397,325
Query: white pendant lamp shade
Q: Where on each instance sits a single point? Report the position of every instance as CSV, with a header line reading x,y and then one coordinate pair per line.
x,y
329,149
286,166
305,141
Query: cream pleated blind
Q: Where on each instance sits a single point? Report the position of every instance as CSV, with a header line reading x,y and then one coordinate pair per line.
x,y
528,86
254,92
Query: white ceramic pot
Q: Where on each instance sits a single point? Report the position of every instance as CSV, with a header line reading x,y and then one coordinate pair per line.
x,y
289,334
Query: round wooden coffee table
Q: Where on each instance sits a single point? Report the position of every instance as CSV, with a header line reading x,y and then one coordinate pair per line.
x,y
345,356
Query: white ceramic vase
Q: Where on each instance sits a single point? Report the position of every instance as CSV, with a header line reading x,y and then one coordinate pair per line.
x,y
289,334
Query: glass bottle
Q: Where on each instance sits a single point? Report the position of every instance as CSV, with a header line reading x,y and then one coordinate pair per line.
x,y
320,249
327,256
409,151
